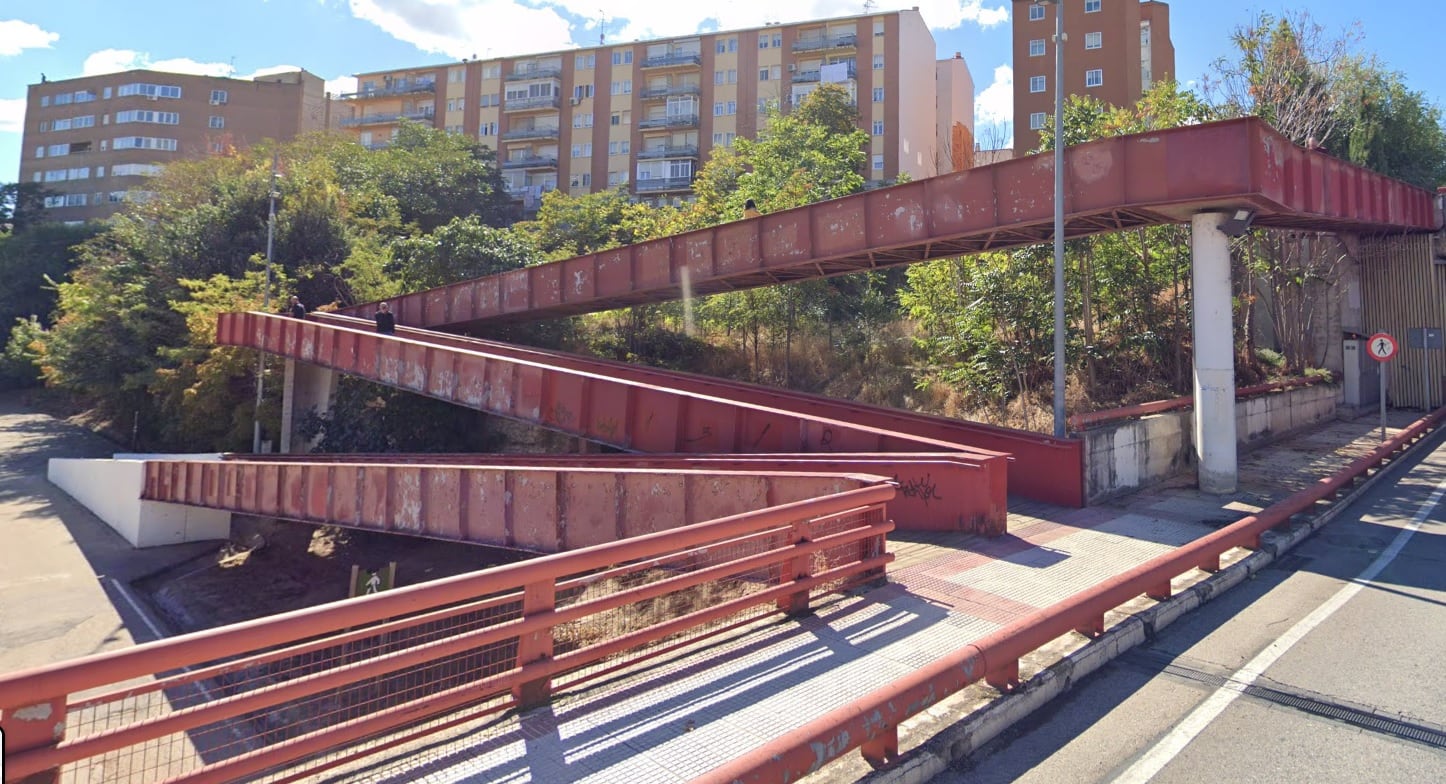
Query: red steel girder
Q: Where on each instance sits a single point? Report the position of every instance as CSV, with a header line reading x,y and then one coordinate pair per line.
x,y
1111,184
938,491
1043,467
543,509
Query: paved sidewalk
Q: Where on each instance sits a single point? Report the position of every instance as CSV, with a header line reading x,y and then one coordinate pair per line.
x,y
673,720
63,572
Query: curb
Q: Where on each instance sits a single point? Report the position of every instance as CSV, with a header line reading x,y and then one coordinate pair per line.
x,y
934,756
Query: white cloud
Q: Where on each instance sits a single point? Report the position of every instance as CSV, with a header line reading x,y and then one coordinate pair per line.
x,y
994,107
114,60
340,85
12,114
497,28
17,36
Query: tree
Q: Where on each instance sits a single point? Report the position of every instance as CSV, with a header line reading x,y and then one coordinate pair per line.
x,y
1390,128
462,249
22,205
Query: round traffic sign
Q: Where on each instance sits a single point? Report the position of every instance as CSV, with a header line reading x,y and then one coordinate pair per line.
x,y
1381,346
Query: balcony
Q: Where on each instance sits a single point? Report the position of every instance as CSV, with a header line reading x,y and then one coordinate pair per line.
x,y
845,41
670,121
399,87
663,185
521,134
530,162
535,72
531,104
674,60
669,151
814,75
385,119
654,93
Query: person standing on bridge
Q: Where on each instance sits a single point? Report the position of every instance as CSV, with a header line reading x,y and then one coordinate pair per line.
x,y
750,210
296,309
386,322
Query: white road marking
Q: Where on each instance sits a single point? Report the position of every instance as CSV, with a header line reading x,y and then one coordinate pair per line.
x,y
1170,746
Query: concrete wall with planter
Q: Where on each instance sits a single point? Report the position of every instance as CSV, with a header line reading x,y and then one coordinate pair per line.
x,y
1130,454
111,489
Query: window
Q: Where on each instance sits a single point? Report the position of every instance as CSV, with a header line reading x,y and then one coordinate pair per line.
x,y
44,101
1092,6
217,122
878,28
1037,84
624,57
1094,77
717,77
582,120
625,87
878,163
487,129
878,94
582,181
583,150
718,109
218,97
147,116
762,74
135,170
621,118
762,42
1094,40
56,150
583,62
105,93
1036,121
619,148
878,127
878,61
99,172
1036,47
617,178
778,40
732,107
726,45
40,151
582,91
150,90
733,76
1036,13
454,75
489,99
144,143
493,71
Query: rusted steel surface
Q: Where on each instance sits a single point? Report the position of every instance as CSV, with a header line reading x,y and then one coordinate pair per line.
x,y
226,704
1081,421
543,509
871,722
647,417
948,491
1042,467
1112,184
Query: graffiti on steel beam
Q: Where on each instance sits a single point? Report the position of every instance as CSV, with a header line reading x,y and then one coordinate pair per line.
x,y
922,488
561,414
707,433
608,426
766,427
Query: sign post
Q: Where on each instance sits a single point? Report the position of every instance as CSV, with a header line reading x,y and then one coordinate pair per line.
x,y
1382,348
366,581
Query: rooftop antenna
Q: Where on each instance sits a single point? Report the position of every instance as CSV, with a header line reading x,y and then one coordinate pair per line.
x,y
869,6
602,27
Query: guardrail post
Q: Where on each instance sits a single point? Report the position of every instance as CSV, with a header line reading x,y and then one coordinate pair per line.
x,y
1092,627
1004,677
1159,592
537,598
795,569
37,726
881,749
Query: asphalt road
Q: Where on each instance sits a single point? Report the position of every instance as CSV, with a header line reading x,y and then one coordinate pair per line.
x,y
1329,666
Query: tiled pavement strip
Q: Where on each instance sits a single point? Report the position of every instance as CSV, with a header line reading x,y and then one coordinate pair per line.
x,y
672,720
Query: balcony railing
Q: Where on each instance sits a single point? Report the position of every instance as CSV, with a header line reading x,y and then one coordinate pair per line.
x,y
516,134
383,119
531,104
539,72
669,151
653,93
663,184
530,162
845,41
395,88
670,121
813,75
673,59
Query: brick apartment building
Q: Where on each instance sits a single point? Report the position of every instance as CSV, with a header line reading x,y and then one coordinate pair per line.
x,y
93,141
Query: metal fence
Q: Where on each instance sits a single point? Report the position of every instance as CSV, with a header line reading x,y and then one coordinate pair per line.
x,y
294,694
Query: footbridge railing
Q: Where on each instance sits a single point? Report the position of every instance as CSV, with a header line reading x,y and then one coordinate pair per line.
x,y
320,688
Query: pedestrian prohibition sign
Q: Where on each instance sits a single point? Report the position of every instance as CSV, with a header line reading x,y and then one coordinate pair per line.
x,y
1381,347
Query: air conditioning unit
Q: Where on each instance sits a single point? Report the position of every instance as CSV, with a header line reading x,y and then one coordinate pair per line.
x,y
792,67
217,102
154,97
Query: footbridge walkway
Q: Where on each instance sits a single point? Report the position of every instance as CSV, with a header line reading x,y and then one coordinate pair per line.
x,y
660,641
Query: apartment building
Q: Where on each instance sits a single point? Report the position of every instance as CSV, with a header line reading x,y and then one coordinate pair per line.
x,y
93,141
647,114
1114,50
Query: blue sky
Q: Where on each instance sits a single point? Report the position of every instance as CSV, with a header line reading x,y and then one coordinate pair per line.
x,y
336,38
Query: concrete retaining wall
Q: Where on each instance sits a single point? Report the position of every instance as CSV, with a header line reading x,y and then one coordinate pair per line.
x,y
111,489
1131,454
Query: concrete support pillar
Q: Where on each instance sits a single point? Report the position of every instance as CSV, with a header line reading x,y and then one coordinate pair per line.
x,y
306,387
1214,355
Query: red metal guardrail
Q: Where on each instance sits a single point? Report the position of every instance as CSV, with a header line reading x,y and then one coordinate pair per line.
x,y
1078,422
871,722
313,689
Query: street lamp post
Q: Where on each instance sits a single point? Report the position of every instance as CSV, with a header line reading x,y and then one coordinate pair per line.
x,y
266,295
1059,357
